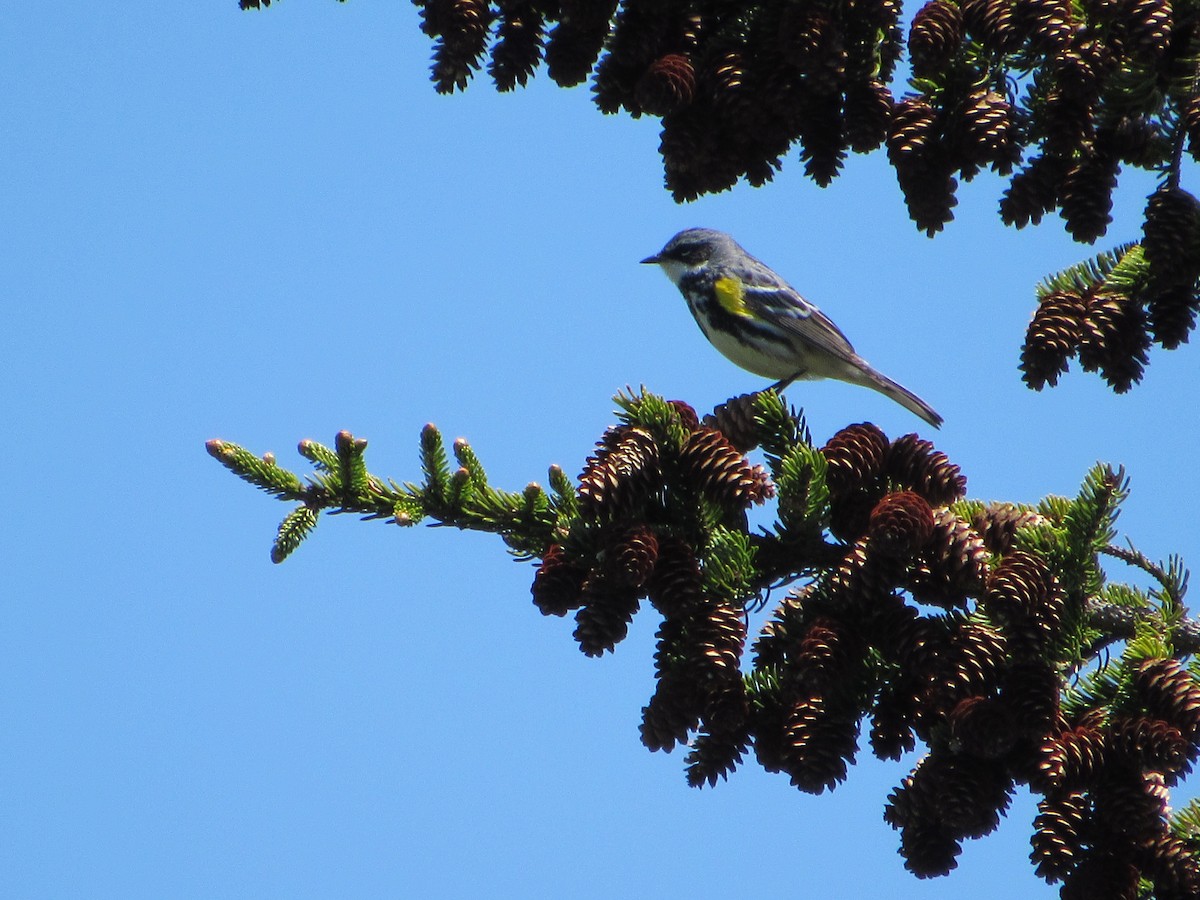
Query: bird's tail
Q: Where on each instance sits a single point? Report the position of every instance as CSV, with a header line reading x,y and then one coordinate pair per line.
x,y
898,392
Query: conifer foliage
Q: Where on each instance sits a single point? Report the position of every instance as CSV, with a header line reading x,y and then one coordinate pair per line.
x,y
987,634
1056,96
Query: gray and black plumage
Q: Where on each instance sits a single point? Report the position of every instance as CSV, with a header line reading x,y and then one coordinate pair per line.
x,y
763,324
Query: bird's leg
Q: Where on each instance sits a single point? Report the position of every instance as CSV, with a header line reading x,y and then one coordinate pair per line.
x,y
784,382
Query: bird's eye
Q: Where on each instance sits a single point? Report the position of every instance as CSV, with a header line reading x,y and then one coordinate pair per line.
x,y
689,253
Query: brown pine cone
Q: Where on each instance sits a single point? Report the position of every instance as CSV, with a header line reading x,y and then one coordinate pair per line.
x,y
518,47
935,36
603,620
1114,340
1171,235
1052,338
668,85
901,523
1033,191
1172,314
630,560
621,475
1025,599
558,584
735,418
866,113
822,136
998,523
953,566
856,457
1048,23
1060,832
1171,693
982,727
462,26
914,463
574,44
990,22
675,587
1149,24
1191,124
712,466
1086,196
1071,759
986,133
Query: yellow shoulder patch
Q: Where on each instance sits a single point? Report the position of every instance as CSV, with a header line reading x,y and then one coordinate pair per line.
x,y
731,296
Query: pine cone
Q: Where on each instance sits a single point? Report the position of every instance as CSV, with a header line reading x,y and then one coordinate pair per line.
x,y
822,137
922,166
990,22
603,621
1047,23
1151,744
953,566
1052,338
914,463
669,84
1059,834
1114,340
1172,314
818,742
998,524
1171,863
901,524
1032,689
518,47
810,39
1171,235
631,559
735,418
1101,873
672,713
866,113
574,45
1149,24
928,849
1071,759
1026,600
1086,196
912,132
1171,693
1191,124
986,133
674,587
714,756
1033,191
622,474
856,457
711,465
462,27
558,584
935,36
891,723
983,727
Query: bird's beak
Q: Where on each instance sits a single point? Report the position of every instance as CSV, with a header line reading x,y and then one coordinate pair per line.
x,y
652,259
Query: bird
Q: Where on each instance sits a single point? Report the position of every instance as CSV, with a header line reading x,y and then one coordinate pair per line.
x,y
763,324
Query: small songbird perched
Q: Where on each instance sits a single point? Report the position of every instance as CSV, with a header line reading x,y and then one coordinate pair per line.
x,y
762,323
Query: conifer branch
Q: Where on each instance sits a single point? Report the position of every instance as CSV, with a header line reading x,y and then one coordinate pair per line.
x,y
986,632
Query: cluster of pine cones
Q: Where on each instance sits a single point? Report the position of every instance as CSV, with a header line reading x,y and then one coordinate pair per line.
x,y
737,84
969,672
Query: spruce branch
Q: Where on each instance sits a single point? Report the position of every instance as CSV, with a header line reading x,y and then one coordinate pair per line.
x,y
986,632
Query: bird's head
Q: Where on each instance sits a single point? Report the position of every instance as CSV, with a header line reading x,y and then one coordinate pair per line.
x,y
691,250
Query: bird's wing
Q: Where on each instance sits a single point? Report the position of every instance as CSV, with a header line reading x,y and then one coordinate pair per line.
x,y
765,295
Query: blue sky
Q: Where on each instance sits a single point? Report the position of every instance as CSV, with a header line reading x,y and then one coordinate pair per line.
x,y
267,226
